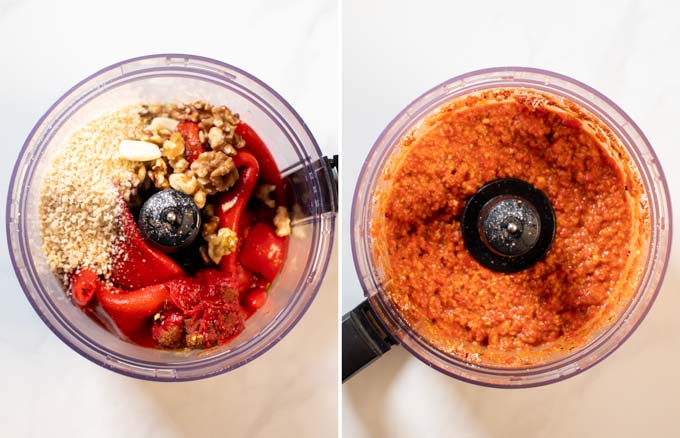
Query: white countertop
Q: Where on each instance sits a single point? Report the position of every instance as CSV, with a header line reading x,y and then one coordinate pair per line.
x,y
46,389
394,51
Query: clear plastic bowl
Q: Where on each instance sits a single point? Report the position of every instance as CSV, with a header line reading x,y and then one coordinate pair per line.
x,y
176,78
657,252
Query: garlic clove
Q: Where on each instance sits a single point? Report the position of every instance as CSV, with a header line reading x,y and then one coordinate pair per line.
x,y
164,122
135,150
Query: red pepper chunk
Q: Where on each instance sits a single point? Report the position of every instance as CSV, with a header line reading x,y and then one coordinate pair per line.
x,y
268,168
129,310
136,264
263,251
84,285
254,299
168,328
192,139
230,210
137,304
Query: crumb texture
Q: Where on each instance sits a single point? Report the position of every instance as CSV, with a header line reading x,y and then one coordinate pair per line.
x,y
80,197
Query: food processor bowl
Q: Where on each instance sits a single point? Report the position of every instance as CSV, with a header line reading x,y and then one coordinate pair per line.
x,y
177,78
371,329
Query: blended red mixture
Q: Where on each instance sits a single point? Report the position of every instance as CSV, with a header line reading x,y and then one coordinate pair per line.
x,y
592,269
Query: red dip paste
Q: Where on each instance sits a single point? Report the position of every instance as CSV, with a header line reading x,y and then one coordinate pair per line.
x,y
592,269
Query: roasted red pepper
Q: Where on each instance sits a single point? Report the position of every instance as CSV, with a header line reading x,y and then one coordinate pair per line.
x,y
84,285
263,251
129,310
211,307
168,328
184,293
207,325
192,139
230,210
268,168
209,285
254,300
137,265
136,304
209,303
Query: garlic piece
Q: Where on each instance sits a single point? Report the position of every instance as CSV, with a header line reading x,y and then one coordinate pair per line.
x,y
163,123
135,150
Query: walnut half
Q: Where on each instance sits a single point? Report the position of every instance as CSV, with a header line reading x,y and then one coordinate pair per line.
x,y
215,171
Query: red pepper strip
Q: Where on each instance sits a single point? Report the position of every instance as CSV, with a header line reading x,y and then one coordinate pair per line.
x,y
129,310
233,203
269,169
137,304
263,251
84,285
231,206
192,139
136,264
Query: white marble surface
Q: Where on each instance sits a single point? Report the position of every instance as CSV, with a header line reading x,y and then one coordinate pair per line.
x,y
395,50
46,389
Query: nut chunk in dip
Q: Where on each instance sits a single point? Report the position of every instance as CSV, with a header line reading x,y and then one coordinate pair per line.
x,y
592,269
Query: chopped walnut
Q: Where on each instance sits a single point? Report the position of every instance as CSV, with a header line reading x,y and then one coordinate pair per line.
x,y
158,173
216,138
225,114
180,165
163,120
282,222
239,142
200,198
215,171
153,138
263,192
229,150
221,244
183,182
210,227
173,148
141,173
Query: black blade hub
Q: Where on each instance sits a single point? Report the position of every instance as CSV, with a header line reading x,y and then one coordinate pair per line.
x,y
508,225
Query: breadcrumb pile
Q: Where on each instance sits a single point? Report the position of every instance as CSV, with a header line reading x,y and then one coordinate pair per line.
x,y
80,199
